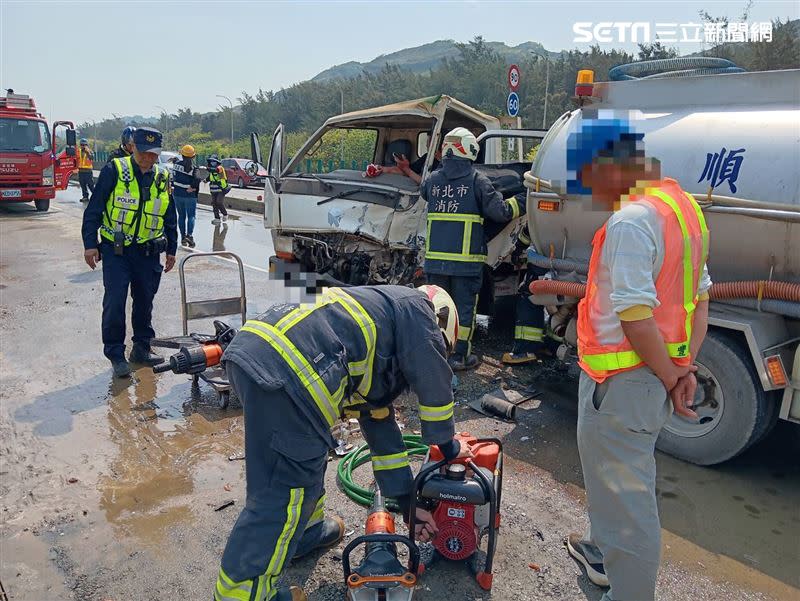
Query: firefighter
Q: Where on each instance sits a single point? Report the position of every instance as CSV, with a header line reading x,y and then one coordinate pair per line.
x,y
529,330
459,200
130,207
296,369
85,175
125,148
185,188
640,326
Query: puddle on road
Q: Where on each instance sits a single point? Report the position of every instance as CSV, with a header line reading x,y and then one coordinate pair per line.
x,y
243,234
171,442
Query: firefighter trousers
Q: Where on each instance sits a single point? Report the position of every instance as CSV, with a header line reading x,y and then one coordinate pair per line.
x,y
464,292
285,462
618,424
529,324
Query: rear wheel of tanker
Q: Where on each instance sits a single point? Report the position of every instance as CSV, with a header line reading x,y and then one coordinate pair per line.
x,y
733,407
42,205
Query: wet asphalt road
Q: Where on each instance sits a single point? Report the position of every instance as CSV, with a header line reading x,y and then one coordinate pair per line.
x,y
108,488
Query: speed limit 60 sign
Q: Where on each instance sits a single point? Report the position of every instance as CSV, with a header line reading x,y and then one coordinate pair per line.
x,y
512,104
513,78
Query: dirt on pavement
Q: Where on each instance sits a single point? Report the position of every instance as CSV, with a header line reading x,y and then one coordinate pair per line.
x,y
109,488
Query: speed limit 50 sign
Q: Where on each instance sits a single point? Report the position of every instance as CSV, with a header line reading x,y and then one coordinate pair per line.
x,y
513,78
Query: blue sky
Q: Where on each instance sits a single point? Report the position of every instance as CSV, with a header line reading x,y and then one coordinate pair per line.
x,y
87,60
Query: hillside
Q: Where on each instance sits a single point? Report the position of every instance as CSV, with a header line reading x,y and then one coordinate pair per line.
x,y
425,58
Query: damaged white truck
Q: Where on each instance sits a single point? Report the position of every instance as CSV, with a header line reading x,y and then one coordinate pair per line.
x,y
328,218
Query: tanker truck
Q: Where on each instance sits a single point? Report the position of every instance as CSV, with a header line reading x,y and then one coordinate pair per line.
x,y
733,141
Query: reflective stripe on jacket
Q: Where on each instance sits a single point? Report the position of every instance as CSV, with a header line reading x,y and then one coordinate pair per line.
x,y
605,350
84,159
358,348
217,180
138,221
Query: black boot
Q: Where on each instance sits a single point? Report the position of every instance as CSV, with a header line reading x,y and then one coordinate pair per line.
x,y
290,593
121,368
332,534
144,356
458,362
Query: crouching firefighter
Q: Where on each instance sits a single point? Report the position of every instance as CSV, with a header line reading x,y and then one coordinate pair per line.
x,y
459,200
297,369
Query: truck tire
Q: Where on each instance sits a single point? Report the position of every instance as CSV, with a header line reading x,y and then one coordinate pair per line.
x,y
736,412
42,205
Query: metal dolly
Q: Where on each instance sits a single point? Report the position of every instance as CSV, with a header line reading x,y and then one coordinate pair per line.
x,y
202,309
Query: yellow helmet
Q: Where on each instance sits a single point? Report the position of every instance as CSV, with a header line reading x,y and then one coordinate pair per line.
x,y
188,151
446,313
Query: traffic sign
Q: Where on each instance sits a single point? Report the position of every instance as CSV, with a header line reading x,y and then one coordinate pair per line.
x,y
512,104
513,78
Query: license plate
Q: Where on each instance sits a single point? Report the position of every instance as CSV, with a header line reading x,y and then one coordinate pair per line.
x,y
12,193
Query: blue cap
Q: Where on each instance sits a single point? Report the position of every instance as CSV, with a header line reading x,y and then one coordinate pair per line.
x,y
84,141
594,136
147,139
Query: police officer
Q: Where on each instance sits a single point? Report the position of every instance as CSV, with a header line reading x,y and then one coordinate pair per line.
x,y
218,186
459,200
185,187
296,369
131,209
125,149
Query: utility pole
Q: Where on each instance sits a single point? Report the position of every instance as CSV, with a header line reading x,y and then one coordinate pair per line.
x,y
166,119
546,86
231,103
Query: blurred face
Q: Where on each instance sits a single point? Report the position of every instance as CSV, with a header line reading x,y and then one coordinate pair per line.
x,y
129,147
145,160
612,175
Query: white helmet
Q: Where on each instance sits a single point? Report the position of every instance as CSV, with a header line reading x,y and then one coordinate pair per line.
x,y
460,143
446,313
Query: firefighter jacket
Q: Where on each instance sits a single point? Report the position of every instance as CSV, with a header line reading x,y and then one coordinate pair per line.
x,y
356,350
138,214
459,201
183,178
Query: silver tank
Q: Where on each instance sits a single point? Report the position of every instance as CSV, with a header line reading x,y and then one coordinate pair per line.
x,y
730,139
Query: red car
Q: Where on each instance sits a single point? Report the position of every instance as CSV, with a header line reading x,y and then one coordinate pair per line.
x,y
244,172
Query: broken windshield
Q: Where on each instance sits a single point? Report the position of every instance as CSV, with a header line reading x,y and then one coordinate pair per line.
x,y
339,148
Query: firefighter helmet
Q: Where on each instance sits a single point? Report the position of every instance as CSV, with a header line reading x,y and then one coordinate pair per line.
x,y
446,313
460,143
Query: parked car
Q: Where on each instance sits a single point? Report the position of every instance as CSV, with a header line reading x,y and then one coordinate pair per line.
x,y
167,159
244,172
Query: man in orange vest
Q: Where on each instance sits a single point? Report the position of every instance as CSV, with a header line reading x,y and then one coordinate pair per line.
x,y
640,326
85,174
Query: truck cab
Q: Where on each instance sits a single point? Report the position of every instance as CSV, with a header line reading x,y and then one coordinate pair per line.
x,y
34,160
325,214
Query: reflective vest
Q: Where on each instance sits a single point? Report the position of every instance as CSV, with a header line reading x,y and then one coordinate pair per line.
x,y
124,210
217,181
183,178
84,159
604,350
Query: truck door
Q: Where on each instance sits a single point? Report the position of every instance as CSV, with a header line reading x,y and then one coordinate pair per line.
x,y
66,158
275,164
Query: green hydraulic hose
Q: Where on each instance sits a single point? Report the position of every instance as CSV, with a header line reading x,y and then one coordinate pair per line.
x,y
360,456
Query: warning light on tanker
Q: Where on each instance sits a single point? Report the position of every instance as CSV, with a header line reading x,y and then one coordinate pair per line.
x,y
584,84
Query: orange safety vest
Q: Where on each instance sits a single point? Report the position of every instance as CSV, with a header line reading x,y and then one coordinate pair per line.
x,y
84,160
685,253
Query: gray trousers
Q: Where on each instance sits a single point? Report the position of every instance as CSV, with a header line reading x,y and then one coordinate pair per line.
x,y
285,461
618,424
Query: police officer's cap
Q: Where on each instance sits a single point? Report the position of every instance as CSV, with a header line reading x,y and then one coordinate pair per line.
x,y
147,139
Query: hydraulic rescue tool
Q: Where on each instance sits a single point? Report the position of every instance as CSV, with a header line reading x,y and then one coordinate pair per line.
x,y
199,355
464,495
380,576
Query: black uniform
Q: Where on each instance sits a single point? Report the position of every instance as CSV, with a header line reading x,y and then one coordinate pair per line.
x,y
459,200
118,153
296,370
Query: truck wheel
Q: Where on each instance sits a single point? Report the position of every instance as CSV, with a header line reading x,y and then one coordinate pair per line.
x,y
733,407
42,205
